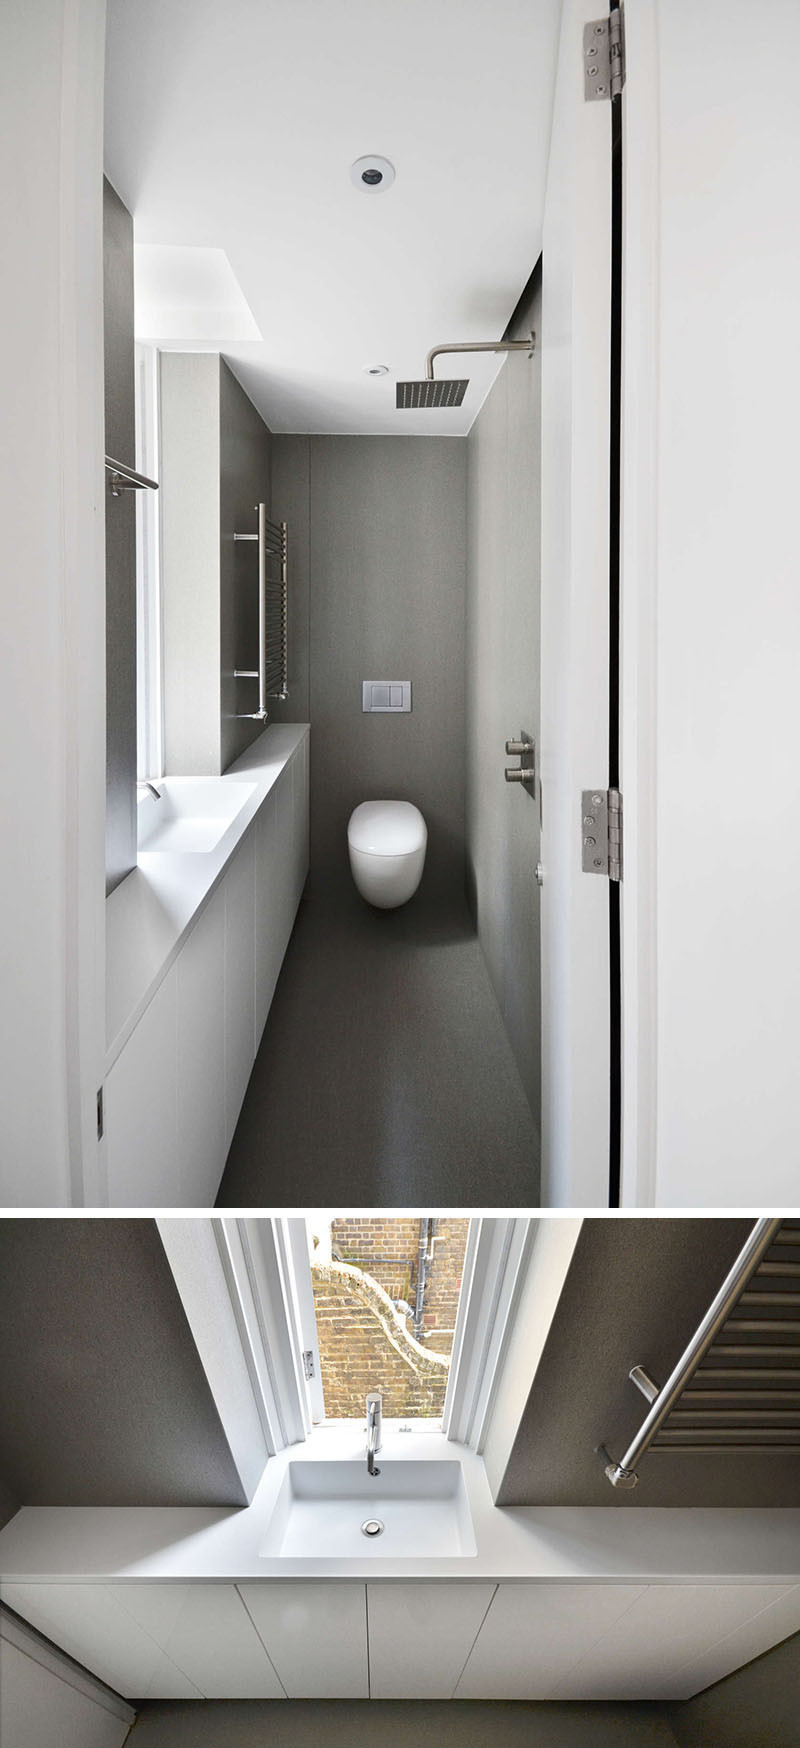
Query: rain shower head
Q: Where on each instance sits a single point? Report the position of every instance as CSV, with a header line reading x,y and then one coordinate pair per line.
x,y
450,391
447,392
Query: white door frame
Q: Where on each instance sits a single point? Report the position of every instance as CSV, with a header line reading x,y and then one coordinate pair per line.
x,y
576,319
52,665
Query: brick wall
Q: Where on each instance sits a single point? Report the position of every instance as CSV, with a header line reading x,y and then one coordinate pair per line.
x,y
361,1340
364,1346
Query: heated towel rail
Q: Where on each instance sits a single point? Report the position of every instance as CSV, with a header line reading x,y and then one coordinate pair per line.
x,y
736,1388
273,617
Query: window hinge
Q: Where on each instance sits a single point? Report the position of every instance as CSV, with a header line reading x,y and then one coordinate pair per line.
x,y
604,58
308,1362
601,832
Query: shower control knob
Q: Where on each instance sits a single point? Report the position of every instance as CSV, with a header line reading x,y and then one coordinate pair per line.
x,y
514,774
515,748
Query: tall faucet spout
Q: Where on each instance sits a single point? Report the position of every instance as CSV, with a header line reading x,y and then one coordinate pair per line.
x,y
374,1422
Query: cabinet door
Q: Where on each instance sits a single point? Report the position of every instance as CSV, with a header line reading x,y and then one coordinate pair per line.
x,y
269,949
90,1623
316,1636
239,888
284,857
200,973
535,1633
420,1637
650,1652
140,1108
206,1631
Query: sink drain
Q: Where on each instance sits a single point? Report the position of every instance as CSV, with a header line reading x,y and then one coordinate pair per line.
x,y
372,1527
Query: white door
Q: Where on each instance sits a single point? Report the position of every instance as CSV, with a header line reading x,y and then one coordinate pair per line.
x,y
711,605
576,285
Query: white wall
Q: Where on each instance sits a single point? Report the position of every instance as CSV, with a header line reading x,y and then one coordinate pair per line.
x,y
52,664
712,756
46,1702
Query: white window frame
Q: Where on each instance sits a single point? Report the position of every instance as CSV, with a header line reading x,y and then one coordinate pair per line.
x,y
149,602
262,1267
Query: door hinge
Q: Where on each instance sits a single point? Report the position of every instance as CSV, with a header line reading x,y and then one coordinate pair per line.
x,y
308,1363
601,832
604,58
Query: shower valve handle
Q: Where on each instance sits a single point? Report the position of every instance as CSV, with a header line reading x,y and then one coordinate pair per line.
x,y
516,747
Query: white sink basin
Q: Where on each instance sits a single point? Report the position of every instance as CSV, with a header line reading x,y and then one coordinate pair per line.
x,y
193,813
321,1507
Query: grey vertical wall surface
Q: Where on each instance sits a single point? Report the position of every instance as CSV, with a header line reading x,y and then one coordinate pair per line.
x,y
190,563
120,542
399,1724
291,504
244,448
9,1503
104,1396
756,1707
503,654
387,570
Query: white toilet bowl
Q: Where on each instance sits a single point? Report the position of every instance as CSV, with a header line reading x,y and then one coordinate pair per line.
x,y
387,842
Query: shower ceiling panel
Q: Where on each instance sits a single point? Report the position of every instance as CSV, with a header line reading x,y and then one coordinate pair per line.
x,y
235,127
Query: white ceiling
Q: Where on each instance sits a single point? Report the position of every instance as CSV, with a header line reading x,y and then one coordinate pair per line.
x,y
233,127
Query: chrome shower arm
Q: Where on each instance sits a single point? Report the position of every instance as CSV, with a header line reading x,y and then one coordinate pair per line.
x,y
528,346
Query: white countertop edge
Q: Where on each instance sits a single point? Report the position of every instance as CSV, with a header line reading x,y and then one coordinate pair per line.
x,y
189,880
548,1544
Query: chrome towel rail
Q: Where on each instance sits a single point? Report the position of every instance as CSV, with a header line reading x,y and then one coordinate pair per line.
x,y
273,615
734,1419
126,479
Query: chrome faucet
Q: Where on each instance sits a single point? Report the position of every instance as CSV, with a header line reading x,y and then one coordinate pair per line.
x,y
374,1423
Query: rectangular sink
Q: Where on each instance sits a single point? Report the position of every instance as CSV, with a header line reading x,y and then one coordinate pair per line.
x,y
193,813
422,1508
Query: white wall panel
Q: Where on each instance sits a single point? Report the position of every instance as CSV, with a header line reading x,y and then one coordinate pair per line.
x,y
316,1636
420,1636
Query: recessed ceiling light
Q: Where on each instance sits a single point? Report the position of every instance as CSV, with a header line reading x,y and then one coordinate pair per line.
x,y
375,369
372,173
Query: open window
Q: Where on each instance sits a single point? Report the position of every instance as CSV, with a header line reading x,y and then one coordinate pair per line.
x,y
321,1309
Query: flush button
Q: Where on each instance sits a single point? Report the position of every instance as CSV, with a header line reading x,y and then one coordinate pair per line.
x,y
385,695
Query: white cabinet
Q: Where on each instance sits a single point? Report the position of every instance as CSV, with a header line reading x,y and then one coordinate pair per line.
x,y
420,1636
316,1636
141,1109
173,1096
651,1652
200,972
91,1623
240,980
206,1631
534,1633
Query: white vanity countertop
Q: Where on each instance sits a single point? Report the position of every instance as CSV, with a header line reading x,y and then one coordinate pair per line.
x,y
150,913
609,1544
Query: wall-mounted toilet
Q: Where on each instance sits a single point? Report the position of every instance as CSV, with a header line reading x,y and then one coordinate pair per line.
x,y
387,842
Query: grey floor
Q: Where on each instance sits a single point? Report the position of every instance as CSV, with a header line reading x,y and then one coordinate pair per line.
x,y
385,1077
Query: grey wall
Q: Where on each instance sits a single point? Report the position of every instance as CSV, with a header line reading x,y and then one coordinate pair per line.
x,y
756,1707
387,565
244,449
105,1401
189,503
120,542
635,1292
503,652
9,1503
398,1724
